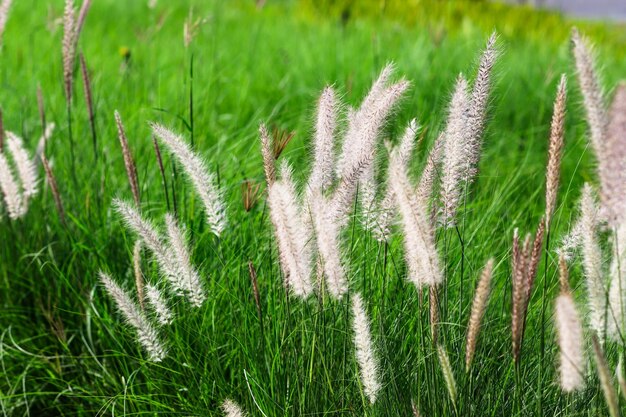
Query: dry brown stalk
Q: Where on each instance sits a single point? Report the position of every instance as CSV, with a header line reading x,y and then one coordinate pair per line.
x,y
72,27
533,259
129,163
157,151
139,281
525,261
519,290
433,301
281,140
250,194
255,289
69,49
269,164
54,188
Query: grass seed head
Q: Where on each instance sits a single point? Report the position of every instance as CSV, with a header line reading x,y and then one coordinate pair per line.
x,y
555,149
364,349
146,333
479,305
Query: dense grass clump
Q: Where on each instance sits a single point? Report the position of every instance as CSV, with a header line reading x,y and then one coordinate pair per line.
x,y
183,301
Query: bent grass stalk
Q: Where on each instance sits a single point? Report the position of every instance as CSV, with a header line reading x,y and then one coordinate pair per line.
x,y
605,378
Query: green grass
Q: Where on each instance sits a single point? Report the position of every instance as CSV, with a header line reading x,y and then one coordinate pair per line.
x,y
64,349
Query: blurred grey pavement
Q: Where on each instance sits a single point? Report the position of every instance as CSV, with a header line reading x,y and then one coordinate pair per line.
x,y
593,9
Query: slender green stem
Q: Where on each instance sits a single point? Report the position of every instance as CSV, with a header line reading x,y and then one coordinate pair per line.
x,y
543,324
462,289
71,140
191,125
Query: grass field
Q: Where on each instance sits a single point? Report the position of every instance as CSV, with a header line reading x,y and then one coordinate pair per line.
x,y
64,350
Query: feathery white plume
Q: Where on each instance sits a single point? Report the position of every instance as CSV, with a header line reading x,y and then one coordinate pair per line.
x,y
419,243
283,238
323,217
613,180
327,233
10,190
455,158
341,201
381,218
368,190
232,409
329,215
365,355
407,142
572,241
158,303
592,260
291,234
608,139
146,334
146,231
4,16
24,165
376,93
43,140
430,171
322,174
357,117
364,126
463,134
570,334
203,181
616,320
188,277
619,373
593,98
173,258
362,136
478,105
